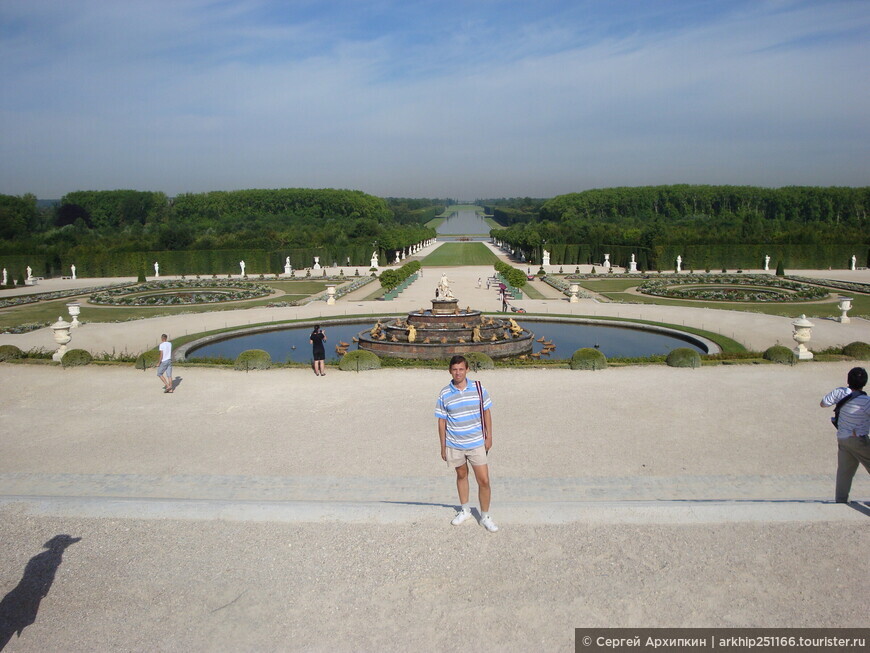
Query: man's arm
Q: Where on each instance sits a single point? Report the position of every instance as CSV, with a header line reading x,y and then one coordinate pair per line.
x,y
487,424
442,435
833,397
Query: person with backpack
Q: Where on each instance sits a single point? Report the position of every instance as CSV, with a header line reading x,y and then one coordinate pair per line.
x,y
852,421
465,431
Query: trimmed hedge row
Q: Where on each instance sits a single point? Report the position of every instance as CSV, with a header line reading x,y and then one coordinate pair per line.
x,y
392,278
515,277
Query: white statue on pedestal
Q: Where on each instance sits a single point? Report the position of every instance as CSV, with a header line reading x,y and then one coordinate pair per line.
x,y
632,264
242,267
444,291
679,263
156,269
5,278
29,273
606,263
397,257
287,267
316,262
854,260
375,259
546,257
73,270
766,262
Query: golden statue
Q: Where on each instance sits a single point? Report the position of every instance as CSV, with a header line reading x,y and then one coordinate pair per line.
x,y
516,329
475,334
412,333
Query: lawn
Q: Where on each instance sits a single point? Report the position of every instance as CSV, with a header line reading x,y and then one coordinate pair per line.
x,y
614,289
42,312
455,254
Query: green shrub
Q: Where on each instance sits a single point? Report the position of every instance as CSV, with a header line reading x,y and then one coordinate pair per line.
x,y
147,359
779,354
76,357
477,360
683,357
858,349
588,358
359,360
253,359
780,269
8,352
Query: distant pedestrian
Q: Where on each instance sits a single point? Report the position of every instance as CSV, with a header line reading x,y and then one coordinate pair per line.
x,y
852,421
487,284
479,282
318,337
504,304
164,367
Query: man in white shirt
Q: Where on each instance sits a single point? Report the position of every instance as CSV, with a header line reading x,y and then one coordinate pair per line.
x,y
164,368
853,425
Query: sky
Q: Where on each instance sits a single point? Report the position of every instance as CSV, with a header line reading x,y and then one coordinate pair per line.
x,y
402,98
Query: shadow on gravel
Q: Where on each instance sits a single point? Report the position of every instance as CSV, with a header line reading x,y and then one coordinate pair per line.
x,y
863,508
18,608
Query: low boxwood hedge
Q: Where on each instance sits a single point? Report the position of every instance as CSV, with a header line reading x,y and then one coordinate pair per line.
x,y
779,354
588,358
76,357
683,357
477,360
8,352
359,360
858,349
147,359
253,359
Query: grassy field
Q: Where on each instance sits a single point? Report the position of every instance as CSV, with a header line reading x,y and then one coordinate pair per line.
x,y
42,312
614,289
434,223
492,223
455,254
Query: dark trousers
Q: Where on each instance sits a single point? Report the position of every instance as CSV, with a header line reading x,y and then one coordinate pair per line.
x,y
850,452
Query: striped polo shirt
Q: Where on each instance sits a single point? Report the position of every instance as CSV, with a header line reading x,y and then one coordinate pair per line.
x,y
854,415
461,409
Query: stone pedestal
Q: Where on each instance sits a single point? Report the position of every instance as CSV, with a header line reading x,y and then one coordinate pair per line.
x,y
844,306
61,337
632,266
802,333
445,306
74,309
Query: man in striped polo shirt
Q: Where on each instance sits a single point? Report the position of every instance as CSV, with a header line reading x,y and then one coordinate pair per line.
x,y
466,438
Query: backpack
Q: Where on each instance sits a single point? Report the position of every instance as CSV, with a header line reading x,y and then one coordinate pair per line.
x,y
835,420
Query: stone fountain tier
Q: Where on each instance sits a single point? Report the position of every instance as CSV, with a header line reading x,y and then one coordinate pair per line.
x,y
444,331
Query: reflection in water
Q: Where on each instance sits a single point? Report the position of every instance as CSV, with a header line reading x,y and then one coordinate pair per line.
x,y
463,222
19,607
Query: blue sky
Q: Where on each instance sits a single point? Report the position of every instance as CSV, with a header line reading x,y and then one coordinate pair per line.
x,y
482,98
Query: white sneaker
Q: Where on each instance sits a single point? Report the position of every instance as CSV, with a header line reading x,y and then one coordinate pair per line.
x,y
488,524
460,517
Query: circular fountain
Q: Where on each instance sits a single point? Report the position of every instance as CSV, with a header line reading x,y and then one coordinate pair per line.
x,y
444,331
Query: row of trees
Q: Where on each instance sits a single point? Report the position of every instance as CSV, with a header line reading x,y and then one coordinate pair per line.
x,y
104,229
665,218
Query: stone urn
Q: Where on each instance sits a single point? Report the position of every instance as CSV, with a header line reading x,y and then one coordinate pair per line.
x,y
75,310
330,295
803,329
844,306
61,337
574,289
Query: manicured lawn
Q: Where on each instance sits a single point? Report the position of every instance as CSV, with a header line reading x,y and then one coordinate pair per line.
x,y
42,312
434,223
492,223
460,254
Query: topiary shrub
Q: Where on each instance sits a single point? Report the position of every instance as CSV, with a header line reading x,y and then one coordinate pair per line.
x,y
147,359
359,360
588,358
683,357
857,349
76,357
780,269
779,354
477,360
253,359
8,352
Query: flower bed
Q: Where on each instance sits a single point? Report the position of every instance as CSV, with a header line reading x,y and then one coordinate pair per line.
x,y
154,293
732,288
49,296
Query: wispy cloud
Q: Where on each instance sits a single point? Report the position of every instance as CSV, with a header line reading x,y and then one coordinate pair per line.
x,y
431,99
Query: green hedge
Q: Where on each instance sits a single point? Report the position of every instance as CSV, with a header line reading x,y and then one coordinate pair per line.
x,y
780,354
76,357
8,352
683,357
588,358
858,349
359,360
515,277
253,359
392,278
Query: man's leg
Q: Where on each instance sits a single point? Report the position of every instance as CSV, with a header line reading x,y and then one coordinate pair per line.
x,y
847,465
484,493
462,483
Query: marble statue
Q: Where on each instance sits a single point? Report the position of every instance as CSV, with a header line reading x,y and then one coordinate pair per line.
x,y
546,258
5,278
444,291
854,260
242,266
375,259
73,270
287,267
679,263
156,269
29,273
766,262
